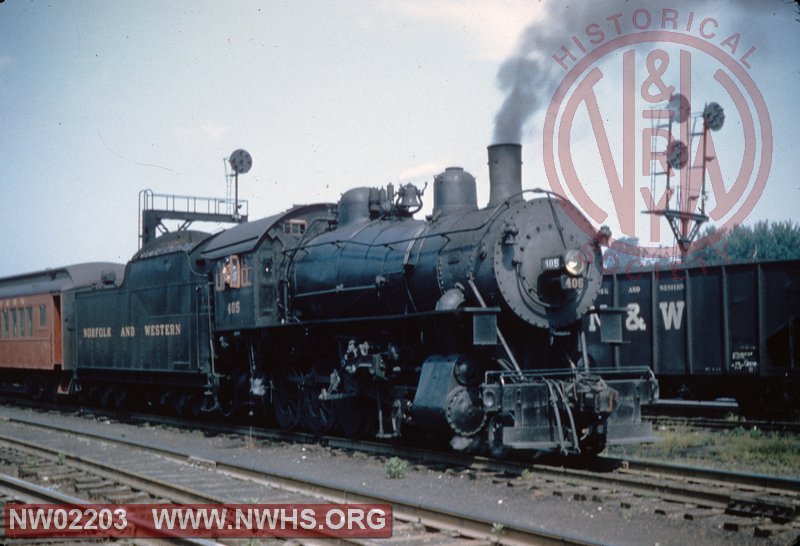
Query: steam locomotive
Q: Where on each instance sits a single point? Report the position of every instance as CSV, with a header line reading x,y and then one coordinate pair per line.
x,y
353,318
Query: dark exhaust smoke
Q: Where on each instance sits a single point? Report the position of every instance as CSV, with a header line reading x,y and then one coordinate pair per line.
x,y
530,75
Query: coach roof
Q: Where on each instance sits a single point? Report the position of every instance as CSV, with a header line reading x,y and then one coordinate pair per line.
x,y
59,279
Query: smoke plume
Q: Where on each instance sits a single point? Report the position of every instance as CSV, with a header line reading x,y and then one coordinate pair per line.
x,y
525,82
530,75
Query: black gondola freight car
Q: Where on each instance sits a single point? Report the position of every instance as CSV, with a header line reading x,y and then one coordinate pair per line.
x,y
707,332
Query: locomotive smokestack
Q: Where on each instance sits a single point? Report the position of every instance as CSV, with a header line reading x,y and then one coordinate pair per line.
x,y
505,173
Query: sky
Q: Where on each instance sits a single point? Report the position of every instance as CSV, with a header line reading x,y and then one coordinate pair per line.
x,y
100,100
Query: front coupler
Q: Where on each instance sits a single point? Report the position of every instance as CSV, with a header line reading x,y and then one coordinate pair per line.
x,y
572,411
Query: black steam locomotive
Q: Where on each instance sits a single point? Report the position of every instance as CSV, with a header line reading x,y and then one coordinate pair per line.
x,y
357,318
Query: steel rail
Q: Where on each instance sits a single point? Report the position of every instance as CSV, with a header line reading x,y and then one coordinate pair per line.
x,y
599,468
40,494
791,427
467,524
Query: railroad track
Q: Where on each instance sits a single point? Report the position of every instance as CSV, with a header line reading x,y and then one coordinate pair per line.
x,y
601,467
722,409
759,504
784,427
17,490
24,491
677,407
144,473
41,472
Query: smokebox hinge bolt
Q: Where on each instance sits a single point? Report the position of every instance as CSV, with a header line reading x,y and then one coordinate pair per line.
x,y
510,232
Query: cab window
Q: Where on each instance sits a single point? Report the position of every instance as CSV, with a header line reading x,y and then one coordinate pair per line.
x,y
229,274
295,227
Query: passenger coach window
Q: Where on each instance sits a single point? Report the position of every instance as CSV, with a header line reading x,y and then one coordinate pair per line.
x,y
28,321
42,316
4,331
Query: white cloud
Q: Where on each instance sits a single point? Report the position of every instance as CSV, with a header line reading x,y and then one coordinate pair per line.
x,y
199,132
214,131
495,25
427,169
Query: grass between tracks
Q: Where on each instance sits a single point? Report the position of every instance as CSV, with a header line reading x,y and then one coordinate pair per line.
x,y
737,449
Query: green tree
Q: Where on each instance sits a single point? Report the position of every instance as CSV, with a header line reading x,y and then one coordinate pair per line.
x,y
763,241
616,257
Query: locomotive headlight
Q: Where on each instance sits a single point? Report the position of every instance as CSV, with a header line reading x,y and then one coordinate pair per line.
x,y
573,262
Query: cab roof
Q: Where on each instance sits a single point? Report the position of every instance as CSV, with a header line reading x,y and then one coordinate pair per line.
x,y
246,237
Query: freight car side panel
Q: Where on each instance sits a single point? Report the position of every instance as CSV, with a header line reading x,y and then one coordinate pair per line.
x,y
602,354
637,324
703,311
672,321
781,317
737,320
743,326
669,323
156,321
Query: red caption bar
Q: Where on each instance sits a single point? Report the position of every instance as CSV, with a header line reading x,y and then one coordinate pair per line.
x,y
198,520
